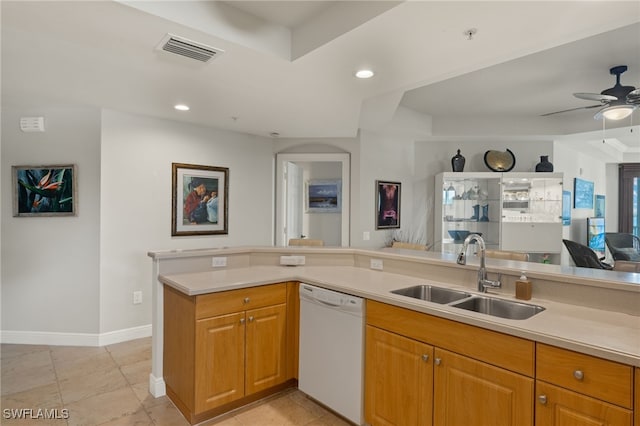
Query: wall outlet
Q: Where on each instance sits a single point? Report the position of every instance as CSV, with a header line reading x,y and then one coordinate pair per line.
x,y
292,260
219,262
376,264
366,236
137,297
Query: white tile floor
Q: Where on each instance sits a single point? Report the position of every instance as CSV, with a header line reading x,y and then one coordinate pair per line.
x,y
109,386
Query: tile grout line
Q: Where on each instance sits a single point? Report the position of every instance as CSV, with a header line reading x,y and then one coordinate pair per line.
x,y
55,373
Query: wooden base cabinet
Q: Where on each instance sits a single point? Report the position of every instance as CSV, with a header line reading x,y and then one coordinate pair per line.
x,y
227,348
424,370
399,380
239,354
472,393
581,390
561,407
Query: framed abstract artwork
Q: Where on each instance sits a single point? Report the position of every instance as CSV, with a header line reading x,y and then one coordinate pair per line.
x,y
599,208
199,200
387,204
44,190
582,194
566,208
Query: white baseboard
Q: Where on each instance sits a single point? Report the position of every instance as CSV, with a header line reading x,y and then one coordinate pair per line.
x,y
74,339
157,387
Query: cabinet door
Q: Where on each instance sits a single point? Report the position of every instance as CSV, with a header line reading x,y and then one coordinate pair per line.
x,y
472,393
534,237
266,347
398,380
219,361
560,407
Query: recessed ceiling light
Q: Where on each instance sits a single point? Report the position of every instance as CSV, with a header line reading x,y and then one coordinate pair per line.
x,y
181,107
364,73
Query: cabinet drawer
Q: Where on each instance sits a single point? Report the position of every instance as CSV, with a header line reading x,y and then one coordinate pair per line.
x,y
606,380
226,302
484,345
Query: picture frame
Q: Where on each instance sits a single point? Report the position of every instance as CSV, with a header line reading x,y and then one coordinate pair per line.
x,y
599,206
582,194
324,196
566,208
47,191
387,208
199,200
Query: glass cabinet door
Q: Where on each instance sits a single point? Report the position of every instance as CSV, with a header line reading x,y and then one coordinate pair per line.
x,y
532,212
470,204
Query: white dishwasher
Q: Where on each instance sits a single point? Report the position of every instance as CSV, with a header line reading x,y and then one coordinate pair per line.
x,y
331,350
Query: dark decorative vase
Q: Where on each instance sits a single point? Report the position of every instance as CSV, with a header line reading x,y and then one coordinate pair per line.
x,y
544,165
457,162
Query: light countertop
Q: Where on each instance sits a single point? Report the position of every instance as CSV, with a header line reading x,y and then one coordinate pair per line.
x,y
607,334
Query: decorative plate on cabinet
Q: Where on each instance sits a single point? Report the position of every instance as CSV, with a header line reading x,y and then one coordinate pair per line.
x,y
499,161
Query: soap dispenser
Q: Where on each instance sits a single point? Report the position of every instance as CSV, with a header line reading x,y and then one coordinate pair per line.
x,y
523,287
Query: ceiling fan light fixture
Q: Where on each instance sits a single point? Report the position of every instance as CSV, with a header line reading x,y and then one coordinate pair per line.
x,y
615,112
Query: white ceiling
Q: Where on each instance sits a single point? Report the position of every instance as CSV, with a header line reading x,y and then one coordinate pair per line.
x,y
288,65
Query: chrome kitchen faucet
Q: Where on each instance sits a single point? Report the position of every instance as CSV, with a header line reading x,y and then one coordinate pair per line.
x,y
483,282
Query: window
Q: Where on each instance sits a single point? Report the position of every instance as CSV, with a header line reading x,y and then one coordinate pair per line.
x,y
629,201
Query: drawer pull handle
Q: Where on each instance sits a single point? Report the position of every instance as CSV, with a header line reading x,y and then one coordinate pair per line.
x,y
246,300
241,320
578,374
251,319
542,399
437,361
425,357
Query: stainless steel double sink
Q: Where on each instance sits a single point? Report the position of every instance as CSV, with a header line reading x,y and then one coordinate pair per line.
x,y
471,302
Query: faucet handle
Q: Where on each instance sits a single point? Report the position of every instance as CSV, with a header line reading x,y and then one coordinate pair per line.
x,y
461,260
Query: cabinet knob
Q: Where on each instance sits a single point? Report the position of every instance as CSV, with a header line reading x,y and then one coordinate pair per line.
x,y
425,357
542,399
437,361
578,374
241,320
246,300
251,319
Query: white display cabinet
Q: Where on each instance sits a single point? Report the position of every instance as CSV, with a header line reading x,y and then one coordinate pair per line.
x,y
466,203
513,211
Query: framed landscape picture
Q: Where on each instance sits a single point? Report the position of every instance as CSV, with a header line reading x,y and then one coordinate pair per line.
x,y
199,200
387,204
324,196
44,190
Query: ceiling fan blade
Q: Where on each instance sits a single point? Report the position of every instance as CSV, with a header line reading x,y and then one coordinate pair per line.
x,y
633,97
571,109
595,97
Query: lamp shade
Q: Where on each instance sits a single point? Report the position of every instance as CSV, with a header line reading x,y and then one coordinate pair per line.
x,y
615,112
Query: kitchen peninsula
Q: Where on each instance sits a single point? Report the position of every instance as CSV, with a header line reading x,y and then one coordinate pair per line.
x,y
589,314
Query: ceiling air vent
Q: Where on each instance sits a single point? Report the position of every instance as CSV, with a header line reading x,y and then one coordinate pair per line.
x,y
188,48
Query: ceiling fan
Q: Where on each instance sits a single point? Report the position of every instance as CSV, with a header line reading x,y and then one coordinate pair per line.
x,y
616,102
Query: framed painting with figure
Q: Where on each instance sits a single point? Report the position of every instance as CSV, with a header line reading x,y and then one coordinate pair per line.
x,y
387,204
44,190
199,200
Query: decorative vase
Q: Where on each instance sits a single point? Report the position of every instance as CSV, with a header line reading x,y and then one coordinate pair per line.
x,y
476,212
544,165
457,162
485,214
